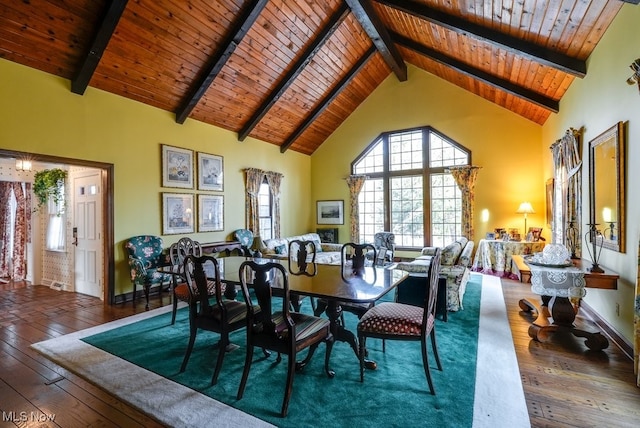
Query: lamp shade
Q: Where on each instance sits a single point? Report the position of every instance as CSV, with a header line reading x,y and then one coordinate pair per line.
x,y
525,208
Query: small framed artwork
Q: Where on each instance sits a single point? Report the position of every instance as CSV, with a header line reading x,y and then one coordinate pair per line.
x,y
177,213
328,235
177,167
491,236
210,213
210,172
330,212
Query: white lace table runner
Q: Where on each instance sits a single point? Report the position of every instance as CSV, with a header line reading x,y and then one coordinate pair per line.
x,y
553,281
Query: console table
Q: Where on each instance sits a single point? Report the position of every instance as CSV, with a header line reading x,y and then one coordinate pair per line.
x,y
494,256
560,289
225,248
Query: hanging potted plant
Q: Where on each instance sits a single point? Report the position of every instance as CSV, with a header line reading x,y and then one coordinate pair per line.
x,y
49,184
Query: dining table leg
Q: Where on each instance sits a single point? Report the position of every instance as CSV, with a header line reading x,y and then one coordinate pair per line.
x,y
334,312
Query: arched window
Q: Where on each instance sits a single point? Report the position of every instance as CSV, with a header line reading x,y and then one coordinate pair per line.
x,y
408,176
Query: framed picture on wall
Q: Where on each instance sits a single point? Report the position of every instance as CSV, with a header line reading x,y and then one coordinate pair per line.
x,y
330,212
328,235
210,213
177,167
549,201
210,172
177,213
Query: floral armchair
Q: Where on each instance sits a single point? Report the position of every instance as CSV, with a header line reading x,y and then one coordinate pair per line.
x,y
245,237
145,257
385,245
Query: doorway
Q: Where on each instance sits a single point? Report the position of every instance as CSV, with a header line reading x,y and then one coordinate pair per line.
x,y
91,269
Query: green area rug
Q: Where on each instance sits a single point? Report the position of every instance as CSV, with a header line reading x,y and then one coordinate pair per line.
x,y
479,387
396,394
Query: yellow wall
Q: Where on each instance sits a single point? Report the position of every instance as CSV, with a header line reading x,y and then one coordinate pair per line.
x,y
504,144
596,103
39,114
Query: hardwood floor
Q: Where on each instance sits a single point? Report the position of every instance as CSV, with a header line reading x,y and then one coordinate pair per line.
x,y
565,385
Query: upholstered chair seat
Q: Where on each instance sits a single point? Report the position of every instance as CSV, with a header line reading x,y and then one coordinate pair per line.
x,y
393,318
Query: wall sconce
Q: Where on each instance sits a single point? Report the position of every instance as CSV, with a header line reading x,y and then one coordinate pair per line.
x,y
525,208
23,165
635,77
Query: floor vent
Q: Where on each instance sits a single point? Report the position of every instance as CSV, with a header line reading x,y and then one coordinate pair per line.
x,y
56,285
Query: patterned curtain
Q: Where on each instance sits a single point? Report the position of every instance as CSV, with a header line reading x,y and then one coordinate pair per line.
x,y
636,323
465,177
252,216
355,183
275,179
14,264
5,227
567,188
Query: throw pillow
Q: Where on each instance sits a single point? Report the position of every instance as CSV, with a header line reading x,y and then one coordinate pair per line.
x,y
281,249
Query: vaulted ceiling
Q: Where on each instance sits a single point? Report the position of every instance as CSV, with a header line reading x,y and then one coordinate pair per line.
x,y
289,72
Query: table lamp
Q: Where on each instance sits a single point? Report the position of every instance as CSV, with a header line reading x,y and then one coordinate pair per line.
x,y
525,208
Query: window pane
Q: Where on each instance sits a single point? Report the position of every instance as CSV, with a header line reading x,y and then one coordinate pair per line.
x,y
405,150
446,210
264,212
444,153
372,161
371,200
407,219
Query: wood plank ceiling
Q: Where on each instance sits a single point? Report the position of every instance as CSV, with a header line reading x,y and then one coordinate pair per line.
x,y
289,72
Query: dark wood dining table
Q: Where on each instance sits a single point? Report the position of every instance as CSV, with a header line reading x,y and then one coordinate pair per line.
x,y
331,283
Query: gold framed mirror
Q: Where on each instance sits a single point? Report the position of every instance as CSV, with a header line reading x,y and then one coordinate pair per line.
x,y
607,186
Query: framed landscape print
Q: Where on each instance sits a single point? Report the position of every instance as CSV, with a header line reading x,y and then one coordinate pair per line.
x,y
210,213
177,213
328,235
177,167
210,172
330,212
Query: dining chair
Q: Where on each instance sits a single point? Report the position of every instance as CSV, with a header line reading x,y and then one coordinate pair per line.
x,y
178,252
221,316
145,258
398,321
353,258
301,261
278,329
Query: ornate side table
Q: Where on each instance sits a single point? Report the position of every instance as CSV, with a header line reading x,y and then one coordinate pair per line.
x,y
561,289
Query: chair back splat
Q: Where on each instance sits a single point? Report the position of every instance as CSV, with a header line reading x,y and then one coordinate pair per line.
x,y
302,261
399,321
274,327
220,316
178,252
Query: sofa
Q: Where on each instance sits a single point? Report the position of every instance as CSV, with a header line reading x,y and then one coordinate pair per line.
x,y
326,253
454,267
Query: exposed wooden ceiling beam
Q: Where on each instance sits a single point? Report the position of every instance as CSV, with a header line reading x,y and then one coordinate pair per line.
x,y
219,59
334,22
502,84
100,41
515,45
322,106
369,20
